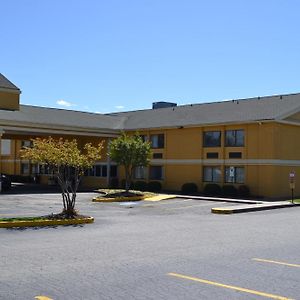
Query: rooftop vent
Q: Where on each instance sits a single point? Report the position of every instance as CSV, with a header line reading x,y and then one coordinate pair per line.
x,y
162,104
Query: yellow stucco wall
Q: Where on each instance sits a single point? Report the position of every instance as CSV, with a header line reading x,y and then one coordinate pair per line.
x,y
9,101
270,153
267,146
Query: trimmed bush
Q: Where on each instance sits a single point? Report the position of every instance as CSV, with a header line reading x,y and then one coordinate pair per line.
x,y
189,188
154,186
212,189
229,190
243,191
20,178
140,185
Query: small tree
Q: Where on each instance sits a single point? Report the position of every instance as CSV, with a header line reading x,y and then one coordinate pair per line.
x,y
67,163
130,152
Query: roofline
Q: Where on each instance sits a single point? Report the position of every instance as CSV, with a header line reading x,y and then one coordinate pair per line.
x,y
118,114
205,125
10,90
50,127
64,109
48,131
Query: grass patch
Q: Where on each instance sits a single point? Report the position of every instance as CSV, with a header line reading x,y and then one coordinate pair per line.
x,y
59,216
296,201
23,219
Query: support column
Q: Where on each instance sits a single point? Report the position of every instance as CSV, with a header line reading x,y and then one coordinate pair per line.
x,y
108,163
1,134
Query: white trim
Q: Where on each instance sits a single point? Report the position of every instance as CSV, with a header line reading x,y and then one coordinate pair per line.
x,y
27,130
207,162
288,122
236,162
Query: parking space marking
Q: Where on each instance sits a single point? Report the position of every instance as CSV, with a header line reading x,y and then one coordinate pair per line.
x,y
169,202
42,298
236,288
276,262
188,206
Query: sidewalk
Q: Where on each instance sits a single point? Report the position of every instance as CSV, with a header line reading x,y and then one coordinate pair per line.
x,y
251,207
247,205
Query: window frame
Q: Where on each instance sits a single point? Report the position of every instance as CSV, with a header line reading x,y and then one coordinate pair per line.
x,y
156,178
140,172
213,168
205,144
235,138
234,181
160,140
6,145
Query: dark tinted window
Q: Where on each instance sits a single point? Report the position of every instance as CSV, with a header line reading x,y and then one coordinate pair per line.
x,y
212,139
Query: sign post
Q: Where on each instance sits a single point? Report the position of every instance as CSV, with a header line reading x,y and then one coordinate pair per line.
x,y
292,177
231,174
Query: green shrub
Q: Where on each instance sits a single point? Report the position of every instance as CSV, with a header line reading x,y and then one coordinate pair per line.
x,y
140,185
212,189
229,190
243,191
20,178
189,188
154,186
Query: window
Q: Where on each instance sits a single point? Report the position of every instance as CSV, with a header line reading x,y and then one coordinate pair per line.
x,y
157,140
113,171
212,155
235,174
44,169
25,168
235,154
140,172
234,138
101,171
212,139
211,174
26,144
5,147
144,137
156,172
157,155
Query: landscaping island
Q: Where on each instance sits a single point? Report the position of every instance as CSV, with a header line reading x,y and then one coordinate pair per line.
x,y
50,220
107,195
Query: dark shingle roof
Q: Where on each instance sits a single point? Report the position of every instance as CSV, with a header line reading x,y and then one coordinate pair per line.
x,y
5,83
237,111
51,117
246,110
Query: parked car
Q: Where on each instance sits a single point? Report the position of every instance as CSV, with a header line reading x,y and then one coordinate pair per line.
x,y
6,182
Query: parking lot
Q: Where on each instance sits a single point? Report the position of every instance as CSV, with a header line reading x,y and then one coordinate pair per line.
x,y
172,249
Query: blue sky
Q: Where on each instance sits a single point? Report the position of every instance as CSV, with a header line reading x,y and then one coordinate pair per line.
x,y
115,55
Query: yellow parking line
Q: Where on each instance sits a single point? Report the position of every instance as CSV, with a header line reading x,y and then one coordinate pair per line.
x,y
236,288
42,298
276,262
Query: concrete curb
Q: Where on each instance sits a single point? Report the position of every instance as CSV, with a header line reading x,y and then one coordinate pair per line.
x,y
218,199
118,199
249,208
12,224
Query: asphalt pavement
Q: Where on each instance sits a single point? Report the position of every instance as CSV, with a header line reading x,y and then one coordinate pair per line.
x,y
172,249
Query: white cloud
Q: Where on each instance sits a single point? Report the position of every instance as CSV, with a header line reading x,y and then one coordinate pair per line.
x,y
64,103
119,107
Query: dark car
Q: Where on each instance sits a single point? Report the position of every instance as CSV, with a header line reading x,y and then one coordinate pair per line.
x,y
6,182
